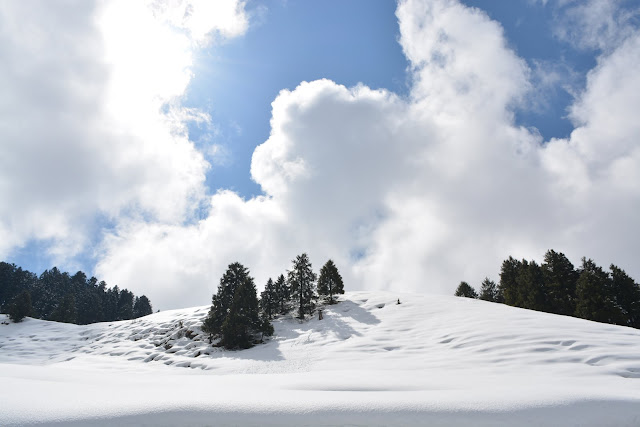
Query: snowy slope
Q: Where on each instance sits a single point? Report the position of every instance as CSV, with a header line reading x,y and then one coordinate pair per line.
x,y
432,360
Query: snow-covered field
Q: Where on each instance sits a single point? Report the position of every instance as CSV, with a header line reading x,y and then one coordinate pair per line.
x,y
432,360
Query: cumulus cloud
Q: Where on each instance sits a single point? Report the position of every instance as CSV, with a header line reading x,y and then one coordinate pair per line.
x,y
407,193
596,168
91,120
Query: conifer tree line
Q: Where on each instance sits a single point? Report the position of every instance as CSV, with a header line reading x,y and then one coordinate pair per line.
x,y
60,297
556,286
238,319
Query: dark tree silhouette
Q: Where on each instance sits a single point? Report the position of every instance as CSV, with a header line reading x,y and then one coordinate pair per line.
x,y
301,280
330,281
234,315
20,307
595,299
465,290
269,300
557,287
243,320
283,294
93,301
560,278
142,307
489,291
508,286
627,294
66,311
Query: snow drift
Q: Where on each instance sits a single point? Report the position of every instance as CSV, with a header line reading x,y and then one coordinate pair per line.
x,y
431,360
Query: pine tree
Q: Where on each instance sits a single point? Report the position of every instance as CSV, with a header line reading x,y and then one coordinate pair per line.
x,y
125,305
54,285
66,311
51,293
234,315
142,307
222,300
110,303
560,279
283,294
627,297
330,281
301,280
243,320
6,283
20,307
465,290
269,300
489,290
595,299
508,286
531,292
265,326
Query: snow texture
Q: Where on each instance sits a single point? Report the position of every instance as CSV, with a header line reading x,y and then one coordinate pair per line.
x,y
431,360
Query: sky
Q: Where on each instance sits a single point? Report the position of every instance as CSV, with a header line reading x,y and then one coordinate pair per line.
x,y
417,144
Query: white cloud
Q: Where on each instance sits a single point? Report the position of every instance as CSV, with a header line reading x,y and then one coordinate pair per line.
x,y
91,117
596,24
598,164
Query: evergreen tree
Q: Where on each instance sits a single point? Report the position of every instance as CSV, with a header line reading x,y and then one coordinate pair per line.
x,y
330,281
7,287
13,281
465,290
54,285
142,307
594,297
489,291
627,297
110,303
51,291
269,300
92,308
301,280
508,286
530,291
560,279
84,302
265,325
20,307
557,287
242,321
234,315
222,300
283,294
125,305
66,311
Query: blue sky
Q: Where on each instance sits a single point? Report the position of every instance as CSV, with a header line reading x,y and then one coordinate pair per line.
x,y
152,145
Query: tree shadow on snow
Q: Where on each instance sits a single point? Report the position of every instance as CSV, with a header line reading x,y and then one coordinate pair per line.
x,y
338,322
354,311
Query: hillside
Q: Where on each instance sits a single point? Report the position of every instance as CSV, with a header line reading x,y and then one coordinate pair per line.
x,y
432,360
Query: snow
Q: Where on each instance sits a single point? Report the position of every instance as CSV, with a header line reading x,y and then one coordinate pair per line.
x,y
432,360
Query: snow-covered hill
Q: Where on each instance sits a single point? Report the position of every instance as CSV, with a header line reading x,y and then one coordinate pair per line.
x,y
432,360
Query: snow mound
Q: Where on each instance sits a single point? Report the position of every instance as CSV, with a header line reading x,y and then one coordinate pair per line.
x,y
370,361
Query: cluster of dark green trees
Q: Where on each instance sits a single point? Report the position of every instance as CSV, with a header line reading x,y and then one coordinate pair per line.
x,y
240,320
60,297
556,286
